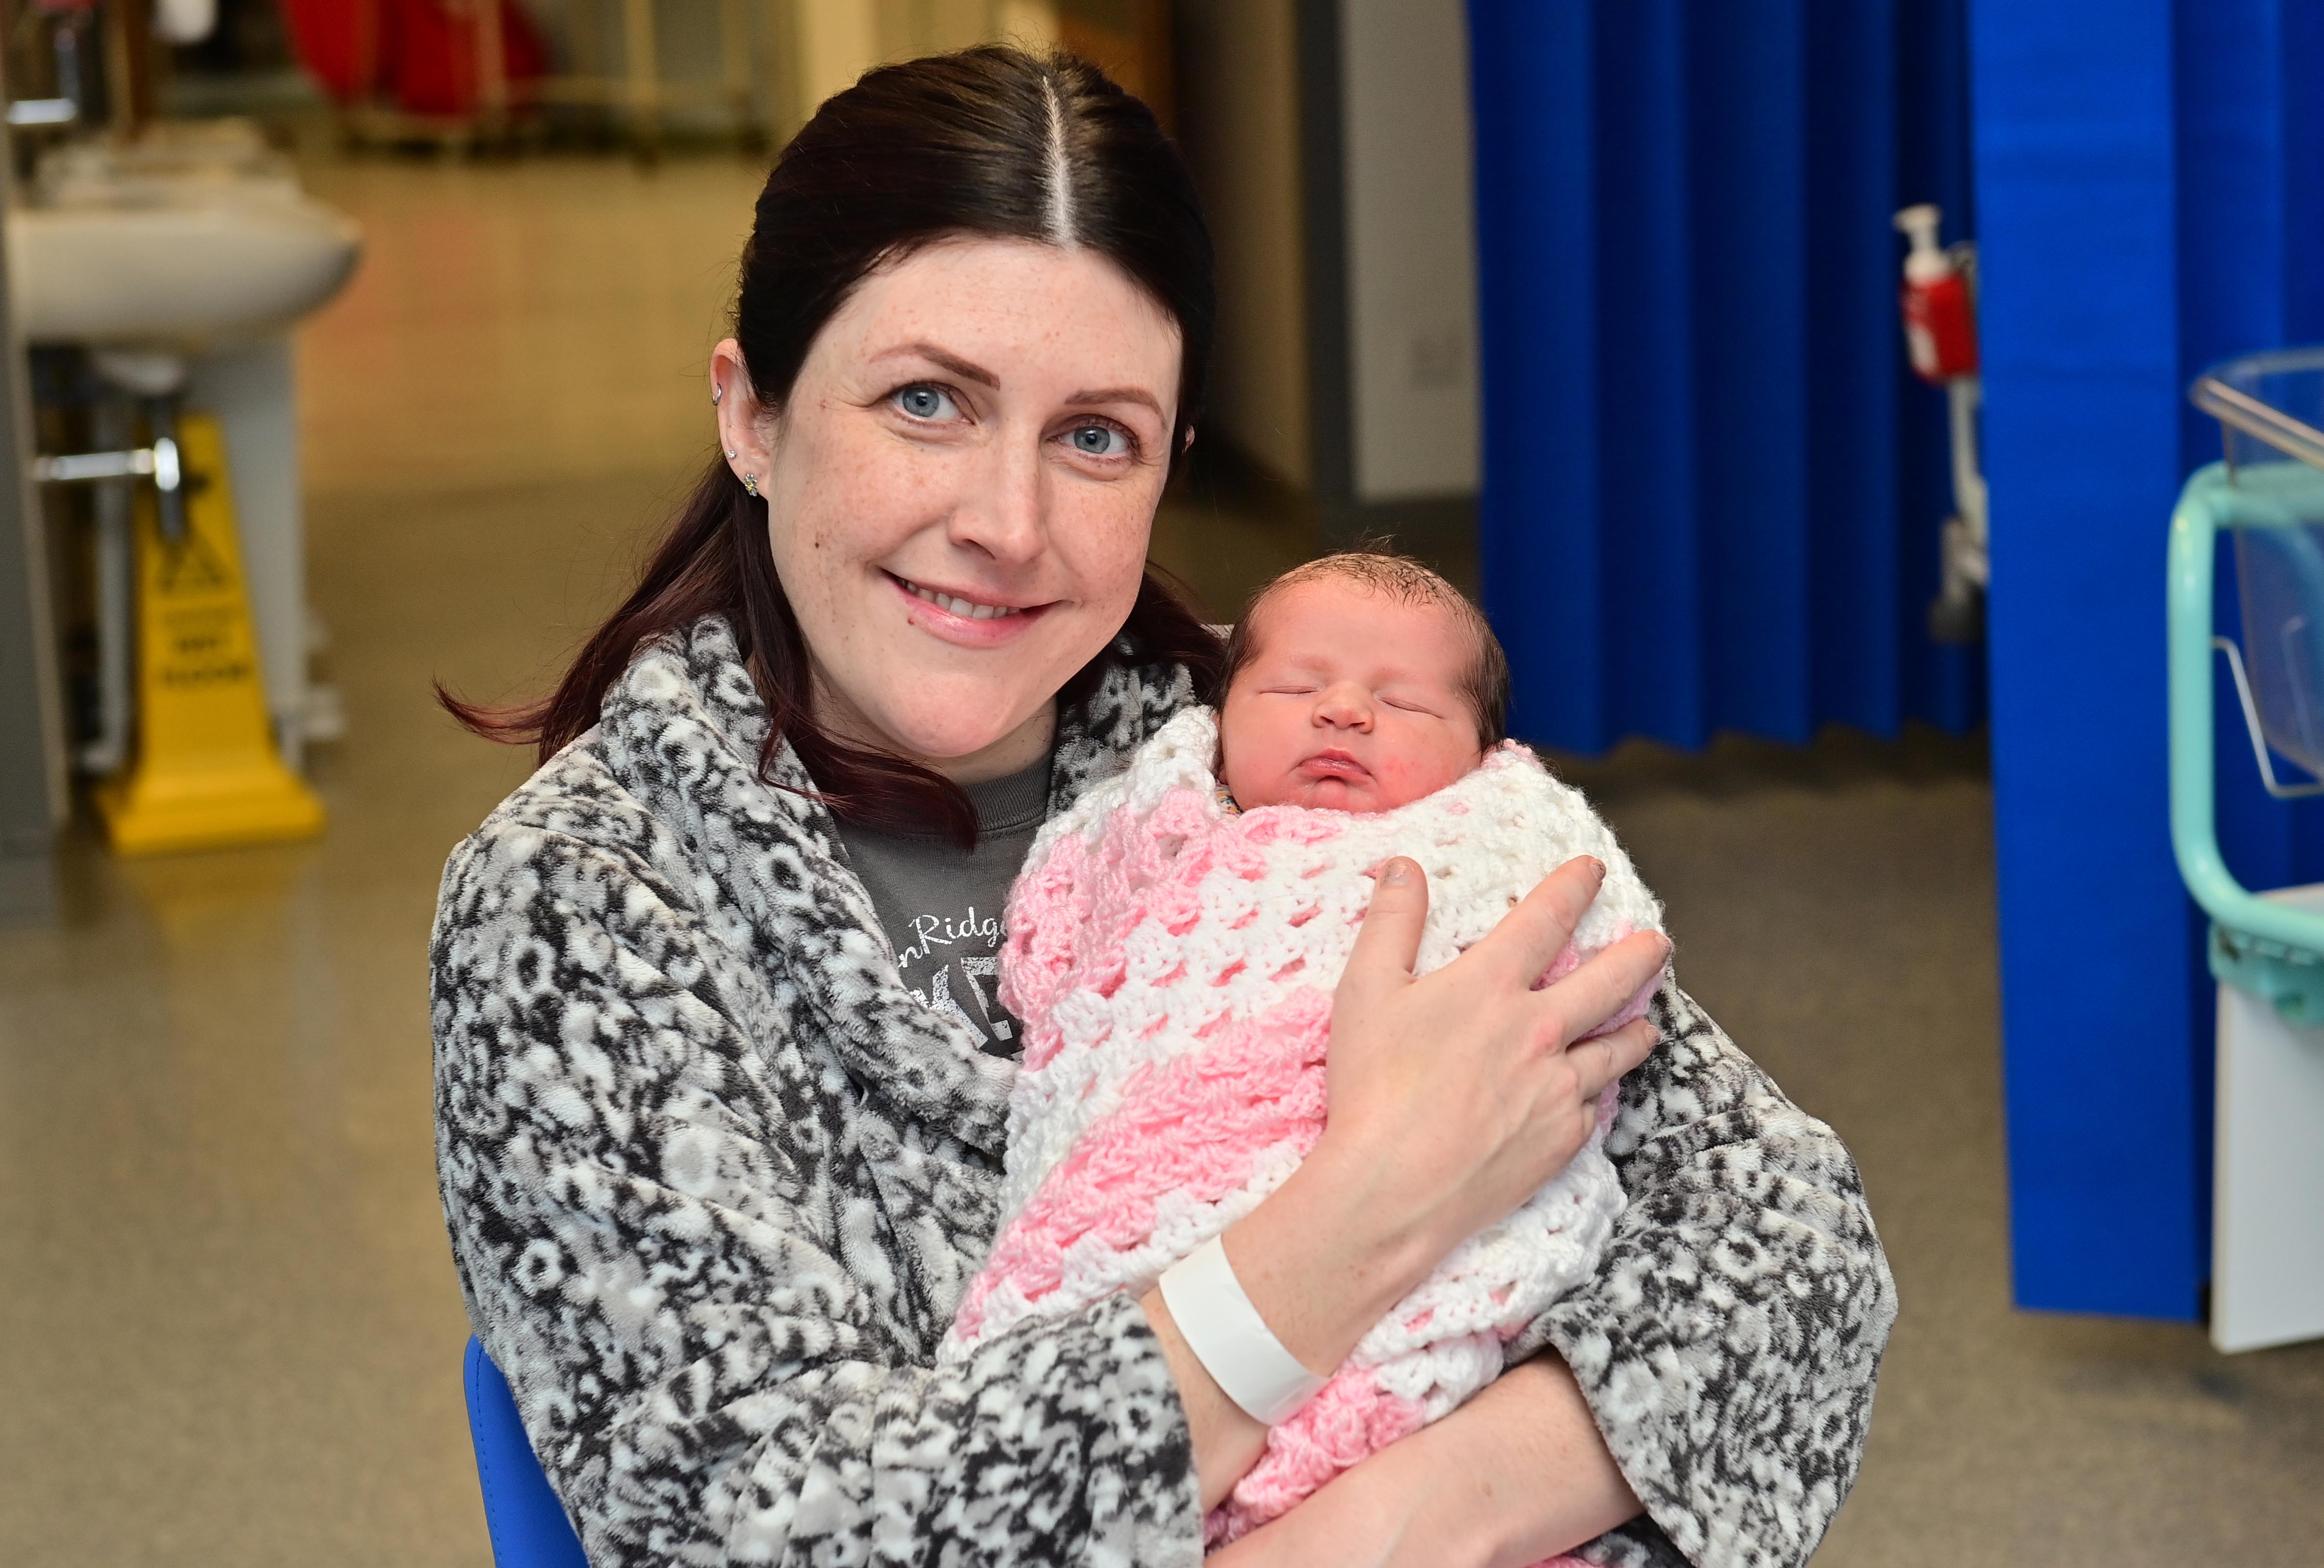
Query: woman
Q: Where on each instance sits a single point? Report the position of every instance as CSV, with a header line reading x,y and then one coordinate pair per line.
x,y
717,1172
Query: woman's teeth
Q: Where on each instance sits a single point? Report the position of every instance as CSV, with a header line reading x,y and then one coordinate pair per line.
x,y
968,609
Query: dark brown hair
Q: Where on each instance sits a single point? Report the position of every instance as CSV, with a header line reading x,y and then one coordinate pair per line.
x,y
991,142
1383,571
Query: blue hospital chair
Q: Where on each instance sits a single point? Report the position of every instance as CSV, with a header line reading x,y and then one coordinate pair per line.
x,y
528,1524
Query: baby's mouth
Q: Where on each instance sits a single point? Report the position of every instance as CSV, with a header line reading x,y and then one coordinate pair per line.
x,y
1334,763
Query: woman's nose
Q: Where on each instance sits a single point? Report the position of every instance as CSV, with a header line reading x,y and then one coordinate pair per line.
x,y
1003,515
1344,706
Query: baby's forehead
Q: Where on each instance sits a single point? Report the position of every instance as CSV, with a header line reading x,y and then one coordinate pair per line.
x,y
1275,619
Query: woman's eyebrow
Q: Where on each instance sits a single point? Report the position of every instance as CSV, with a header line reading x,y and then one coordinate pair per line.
x,y
1116,395
951,362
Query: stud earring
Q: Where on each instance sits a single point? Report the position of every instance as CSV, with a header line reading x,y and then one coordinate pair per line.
x,y
730,454
750,483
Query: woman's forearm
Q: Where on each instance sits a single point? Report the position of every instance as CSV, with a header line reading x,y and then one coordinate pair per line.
x,y
1514,1476
1518,1473
1322,1259
1227,1442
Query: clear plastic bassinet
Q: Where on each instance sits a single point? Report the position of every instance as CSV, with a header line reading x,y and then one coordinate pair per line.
x,y
2269,493
2266,950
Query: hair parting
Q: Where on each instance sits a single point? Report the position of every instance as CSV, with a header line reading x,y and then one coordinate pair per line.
x,y
1060,175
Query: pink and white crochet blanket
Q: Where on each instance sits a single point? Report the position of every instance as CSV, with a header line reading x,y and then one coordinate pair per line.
x,y
1173,963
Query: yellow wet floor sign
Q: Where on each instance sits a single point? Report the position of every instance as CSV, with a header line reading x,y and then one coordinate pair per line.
x,y
207,774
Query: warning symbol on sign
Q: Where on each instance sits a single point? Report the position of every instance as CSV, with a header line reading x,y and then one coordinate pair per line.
x,y
190,565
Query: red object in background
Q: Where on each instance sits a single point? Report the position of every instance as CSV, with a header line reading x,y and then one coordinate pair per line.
x,y
1939,328
338,44
1939,314
421,53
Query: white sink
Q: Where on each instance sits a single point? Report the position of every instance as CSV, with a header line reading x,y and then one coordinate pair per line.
x,y
171,246
182,260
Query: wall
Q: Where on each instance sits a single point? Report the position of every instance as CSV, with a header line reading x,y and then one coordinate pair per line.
x,y
1331,142
838,40
800,51
34,797
1410,238
1239,116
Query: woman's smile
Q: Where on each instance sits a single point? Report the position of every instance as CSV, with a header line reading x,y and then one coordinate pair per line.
x,y
980,618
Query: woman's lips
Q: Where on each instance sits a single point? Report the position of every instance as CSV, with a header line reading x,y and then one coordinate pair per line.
x,y
958,604
960,619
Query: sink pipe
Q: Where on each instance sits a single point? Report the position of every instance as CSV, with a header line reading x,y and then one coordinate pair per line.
x,y
114,470
72,91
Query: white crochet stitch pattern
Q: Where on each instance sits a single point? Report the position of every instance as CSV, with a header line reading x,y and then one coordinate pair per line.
x,y
1152,926
1483,843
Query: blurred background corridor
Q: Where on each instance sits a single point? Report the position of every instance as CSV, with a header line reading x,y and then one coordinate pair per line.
x,y
231,1326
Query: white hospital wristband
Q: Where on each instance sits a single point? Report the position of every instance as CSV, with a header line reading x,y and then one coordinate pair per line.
x,y
1231,1341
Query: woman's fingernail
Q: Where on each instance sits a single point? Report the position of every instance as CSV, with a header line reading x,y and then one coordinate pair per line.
x,y
1395,873
1597,866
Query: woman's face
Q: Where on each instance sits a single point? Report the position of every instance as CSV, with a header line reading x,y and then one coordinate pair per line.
x,y
960,489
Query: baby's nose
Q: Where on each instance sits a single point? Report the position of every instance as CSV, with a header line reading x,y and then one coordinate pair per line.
x,y
1345,706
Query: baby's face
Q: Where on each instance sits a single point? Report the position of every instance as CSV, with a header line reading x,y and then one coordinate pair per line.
x,y
1353,702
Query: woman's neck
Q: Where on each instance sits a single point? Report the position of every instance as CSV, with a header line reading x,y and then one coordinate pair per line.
x,y
1013,752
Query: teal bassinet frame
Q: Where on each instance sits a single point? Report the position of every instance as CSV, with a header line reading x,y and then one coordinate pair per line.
x,y
2270,948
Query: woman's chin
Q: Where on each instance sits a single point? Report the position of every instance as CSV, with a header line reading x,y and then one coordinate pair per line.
x,y
950,716
942,741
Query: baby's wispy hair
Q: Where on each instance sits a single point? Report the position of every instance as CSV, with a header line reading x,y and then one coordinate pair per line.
x,y
1392,574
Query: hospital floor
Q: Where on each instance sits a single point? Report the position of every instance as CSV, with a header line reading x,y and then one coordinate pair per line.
x,y
228,1328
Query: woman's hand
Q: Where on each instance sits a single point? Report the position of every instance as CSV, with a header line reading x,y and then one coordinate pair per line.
x,y
1453,1097
1463,1092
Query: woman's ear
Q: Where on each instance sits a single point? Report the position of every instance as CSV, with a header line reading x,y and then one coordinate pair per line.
x,y
743,422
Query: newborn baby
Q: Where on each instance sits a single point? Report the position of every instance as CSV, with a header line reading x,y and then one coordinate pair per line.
x,y
1174,942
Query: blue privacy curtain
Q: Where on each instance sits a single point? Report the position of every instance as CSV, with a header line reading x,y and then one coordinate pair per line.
x,y
1709,491
1712,490
2150,196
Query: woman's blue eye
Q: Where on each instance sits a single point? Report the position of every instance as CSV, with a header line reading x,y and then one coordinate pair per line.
x,y
1100,441
925,403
